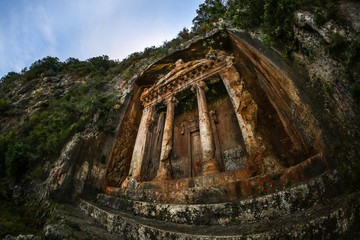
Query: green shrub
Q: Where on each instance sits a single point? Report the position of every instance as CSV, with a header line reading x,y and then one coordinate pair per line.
x,y
48,66
337,47
38,174
18,219
49,130
275,18
4,105
355,92
208,12
6,140
18,159
10,77
319,17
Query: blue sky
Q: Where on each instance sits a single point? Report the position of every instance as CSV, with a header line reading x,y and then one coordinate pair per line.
x,y
33,29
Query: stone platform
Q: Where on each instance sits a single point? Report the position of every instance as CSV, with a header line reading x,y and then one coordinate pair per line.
x,y
221,187
314,209
270,206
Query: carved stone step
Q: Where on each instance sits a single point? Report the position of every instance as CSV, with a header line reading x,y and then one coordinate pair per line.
x,y
256,208
340,219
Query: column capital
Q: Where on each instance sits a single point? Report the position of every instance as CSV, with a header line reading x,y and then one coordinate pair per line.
x,y
171,99
199,84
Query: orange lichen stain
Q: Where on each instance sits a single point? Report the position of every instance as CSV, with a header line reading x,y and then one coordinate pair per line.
x,y
110,190
60,179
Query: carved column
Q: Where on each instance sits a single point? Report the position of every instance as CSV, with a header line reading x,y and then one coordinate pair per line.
x,y
235,87
139,148
209,164
164,170
246,111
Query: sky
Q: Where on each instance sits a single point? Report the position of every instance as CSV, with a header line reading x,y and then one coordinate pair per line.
x,y
33,29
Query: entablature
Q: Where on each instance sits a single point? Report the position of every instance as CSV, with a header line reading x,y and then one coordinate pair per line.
x,y
183,76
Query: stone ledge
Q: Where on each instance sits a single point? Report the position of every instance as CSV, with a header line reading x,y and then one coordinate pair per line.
x,y
222,187
341,219
245,211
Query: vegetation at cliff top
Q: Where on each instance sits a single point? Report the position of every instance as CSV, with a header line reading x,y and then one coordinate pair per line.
x,y
61,114
275,20
42,134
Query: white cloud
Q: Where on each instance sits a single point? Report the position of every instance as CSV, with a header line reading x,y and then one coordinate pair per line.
x,y
46,28
129,28
1,43
87,28
29,37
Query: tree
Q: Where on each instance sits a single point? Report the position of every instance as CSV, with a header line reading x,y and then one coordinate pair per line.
x,y
184,34
71,61
209,11
11,76
246,14
18,159
48,66
6,139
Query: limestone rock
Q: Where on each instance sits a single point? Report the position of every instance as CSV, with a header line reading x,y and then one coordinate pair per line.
x,y
22,237
51,233
78,166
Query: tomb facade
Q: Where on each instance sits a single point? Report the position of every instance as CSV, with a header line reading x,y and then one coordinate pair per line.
x,y
210,127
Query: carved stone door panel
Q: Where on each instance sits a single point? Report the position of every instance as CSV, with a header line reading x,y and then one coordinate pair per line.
x,y
153,148
196,153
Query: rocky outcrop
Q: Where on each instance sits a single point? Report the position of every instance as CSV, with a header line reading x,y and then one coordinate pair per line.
x,y
80,168
22,237
330,72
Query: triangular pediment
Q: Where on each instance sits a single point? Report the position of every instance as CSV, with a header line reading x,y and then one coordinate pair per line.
x,y
183,75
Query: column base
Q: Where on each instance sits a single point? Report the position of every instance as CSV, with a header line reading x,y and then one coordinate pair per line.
x,y
131,182
125,183
211,166
162,177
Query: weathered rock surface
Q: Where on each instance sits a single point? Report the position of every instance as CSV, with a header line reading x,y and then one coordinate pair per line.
x,y
320,65
79,169
22,237
316,209
73,224
254,209
337,219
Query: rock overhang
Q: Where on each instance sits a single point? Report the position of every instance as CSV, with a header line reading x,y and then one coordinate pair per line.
x,y
191,50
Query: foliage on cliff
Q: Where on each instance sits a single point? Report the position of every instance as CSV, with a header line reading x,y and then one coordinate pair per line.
x,y
275,20
45,116
44,106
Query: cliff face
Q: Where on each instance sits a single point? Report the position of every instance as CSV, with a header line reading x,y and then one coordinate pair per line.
x,y
298,118
329,52
312,111
83,162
